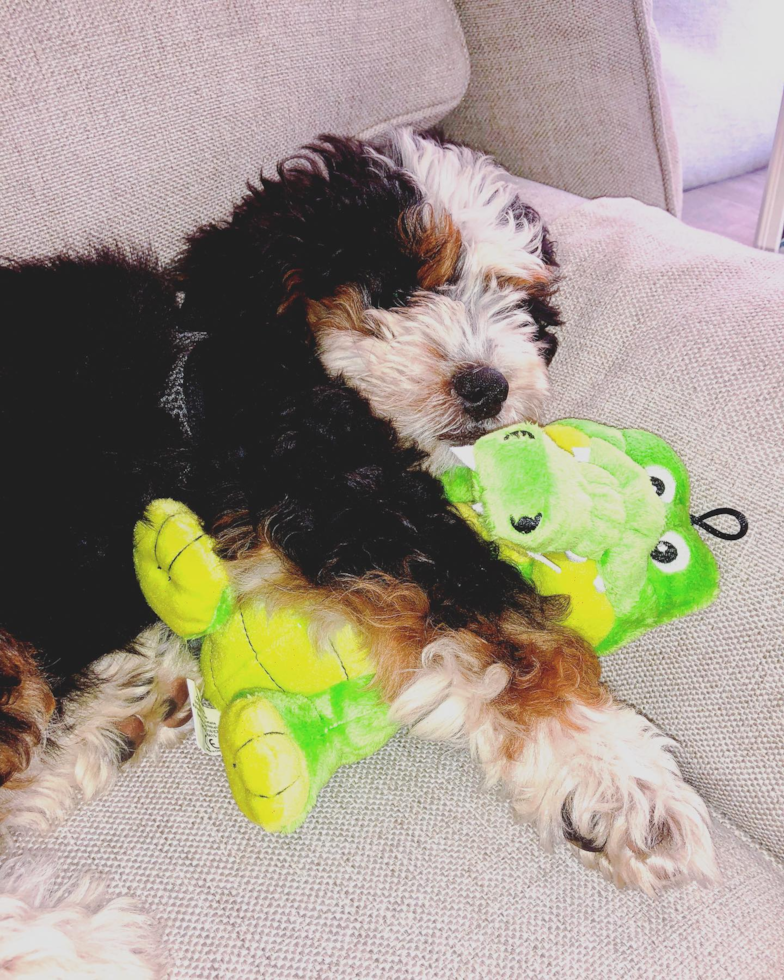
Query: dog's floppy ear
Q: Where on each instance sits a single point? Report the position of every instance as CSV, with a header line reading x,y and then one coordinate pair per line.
x,y
542,305
328,220
540,284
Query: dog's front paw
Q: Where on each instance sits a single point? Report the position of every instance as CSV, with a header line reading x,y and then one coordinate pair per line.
x,y
606,781
650,836
180,575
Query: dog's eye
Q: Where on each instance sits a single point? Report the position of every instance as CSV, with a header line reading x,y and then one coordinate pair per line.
x,y
389,299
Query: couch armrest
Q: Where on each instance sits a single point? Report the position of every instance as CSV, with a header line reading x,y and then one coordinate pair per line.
x,y
571,95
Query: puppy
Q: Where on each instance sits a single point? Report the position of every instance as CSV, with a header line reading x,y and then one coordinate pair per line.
x,y
299,380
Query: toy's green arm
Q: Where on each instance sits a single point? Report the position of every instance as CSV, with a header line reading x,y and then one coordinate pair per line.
x,y
183,580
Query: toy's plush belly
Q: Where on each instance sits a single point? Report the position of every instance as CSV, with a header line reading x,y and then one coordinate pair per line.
x,y
279,656
244,648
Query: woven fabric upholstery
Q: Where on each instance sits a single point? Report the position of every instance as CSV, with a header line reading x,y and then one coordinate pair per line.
x,y
680,331
136,121
406,870
548,201
571,95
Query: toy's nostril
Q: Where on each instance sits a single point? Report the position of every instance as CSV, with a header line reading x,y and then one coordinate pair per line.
x,y
482,391
525,524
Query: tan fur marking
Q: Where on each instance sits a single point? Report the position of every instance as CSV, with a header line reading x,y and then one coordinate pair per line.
x,y
436,241
542,283
343,311
26,704
292,289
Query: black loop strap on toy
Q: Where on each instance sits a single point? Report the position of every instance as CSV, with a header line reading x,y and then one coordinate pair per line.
x,y
702,521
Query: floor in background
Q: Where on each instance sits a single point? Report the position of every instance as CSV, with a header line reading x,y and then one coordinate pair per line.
x,y
729,207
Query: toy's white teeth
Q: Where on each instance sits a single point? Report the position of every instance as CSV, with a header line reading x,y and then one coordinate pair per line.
x,y
478,507
583,453
598,584
466,455
545,561
573,557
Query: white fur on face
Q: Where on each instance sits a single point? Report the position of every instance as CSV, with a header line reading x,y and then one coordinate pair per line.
x,y
405,363
404,359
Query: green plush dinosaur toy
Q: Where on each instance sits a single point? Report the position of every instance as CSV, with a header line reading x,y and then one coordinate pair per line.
x,y
290,715
596,513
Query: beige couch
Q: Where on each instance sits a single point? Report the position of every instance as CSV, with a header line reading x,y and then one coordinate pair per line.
x,y
136,121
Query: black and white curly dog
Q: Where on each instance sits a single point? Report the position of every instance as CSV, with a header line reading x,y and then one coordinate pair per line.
x,y
372,306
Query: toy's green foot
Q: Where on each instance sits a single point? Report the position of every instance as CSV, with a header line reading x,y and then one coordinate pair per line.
x,y
266,768
281,748
180,575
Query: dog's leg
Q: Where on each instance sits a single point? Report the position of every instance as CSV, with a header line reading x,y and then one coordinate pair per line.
x,y
464,648
577,764
527,699
73,930
127,705
26,704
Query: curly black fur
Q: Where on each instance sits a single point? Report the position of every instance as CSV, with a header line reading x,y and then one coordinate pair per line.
x,y
85,353
331,215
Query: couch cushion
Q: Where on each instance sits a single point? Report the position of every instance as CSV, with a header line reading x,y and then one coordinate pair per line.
x,y
405,869
550,202
680,331
570,94
136,121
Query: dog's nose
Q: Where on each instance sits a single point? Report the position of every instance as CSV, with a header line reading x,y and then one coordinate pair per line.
x,y
482,391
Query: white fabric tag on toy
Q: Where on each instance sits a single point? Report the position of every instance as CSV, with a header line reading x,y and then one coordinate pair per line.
x,y
205,721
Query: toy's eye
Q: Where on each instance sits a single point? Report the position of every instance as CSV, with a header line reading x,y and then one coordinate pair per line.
x,y
671,554
526,525
663,482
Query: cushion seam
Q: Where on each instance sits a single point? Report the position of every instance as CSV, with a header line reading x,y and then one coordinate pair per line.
x,y
655,107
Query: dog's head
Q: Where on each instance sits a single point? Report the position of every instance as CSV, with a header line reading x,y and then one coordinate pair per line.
x,y
415,273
